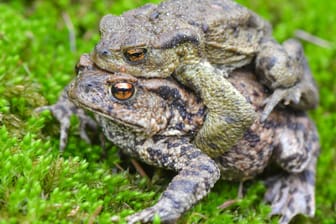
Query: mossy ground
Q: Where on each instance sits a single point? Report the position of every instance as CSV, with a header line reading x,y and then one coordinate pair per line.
x,y
37,57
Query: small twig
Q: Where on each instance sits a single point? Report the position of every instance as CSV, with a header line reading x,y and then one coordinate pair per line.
x,y
301,34
26,68
95,214
74,211
241,190
119,167
139,169
233,201
227,204
71,29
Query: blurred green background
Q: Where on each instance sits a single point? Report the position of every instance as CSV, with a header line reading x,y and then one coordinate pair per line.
x,y
40,42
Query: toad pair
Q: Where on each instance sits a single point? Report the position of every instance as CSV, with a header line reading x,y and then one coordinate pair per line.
x,y
165,85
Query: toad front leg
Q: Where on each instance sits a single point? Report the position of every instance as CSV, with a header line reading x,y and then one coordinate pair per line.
x,y
284,69
62,110
229,114
197,173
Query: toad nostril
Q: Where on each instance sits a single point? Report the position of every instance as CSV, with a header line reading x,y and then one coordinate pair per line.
x,y
87,87
105,52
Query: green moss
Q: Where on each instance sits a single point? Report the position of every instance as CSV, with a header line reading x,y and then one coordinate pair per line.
x,y
37,57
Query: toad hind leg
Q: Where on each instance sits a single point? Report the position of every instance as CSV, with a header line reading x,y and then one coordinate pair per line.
x,y
293,192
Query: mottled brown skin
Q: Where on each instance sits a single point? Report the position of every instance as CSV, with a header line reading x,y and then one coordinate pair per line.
x,y
200,43
158,125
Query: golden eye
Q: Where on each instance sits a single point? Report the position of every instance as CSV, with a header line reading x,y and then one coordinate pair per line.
x,y
135,55
122,90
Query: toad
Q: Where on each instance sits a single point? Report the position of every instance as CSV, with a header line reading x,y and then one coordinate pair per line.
x,y
200,43
156,121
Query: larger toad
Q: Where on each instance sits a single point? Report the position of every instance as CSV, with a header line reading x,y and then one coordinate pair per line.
x,y
156,121
190,40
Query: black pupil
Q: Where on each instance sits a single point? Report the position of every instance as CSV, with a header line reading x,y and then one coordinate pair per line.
x,y
119,90
135,55
138,54
122,91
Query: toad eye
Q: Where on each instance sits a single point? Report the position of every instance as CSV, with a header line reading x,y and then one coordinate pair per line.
x,y
122,90
135,55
